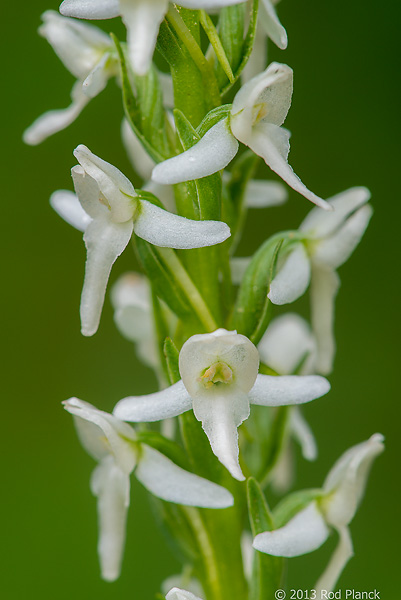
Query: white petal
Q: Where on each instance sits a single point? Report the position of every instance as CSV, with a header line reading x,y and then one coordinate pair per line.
x,y
142,20
162,228
260,193
67,205
179,594
287,341
53,121
170,402
115,187
288,389
271,24
88,193
220,416
272,143
338,561
166,480
97,79
292,278
140,159
335,250
130,297
105,241
101,433
302,432
346,481
111,486
304,533
318,224
211,154
90,9
323,291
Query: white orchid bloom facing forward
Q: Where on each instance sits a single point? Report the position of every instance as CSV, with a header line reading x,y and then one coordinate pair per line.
x,y
114,445
220,380
257,113
342,493
142,19
114,211
88,53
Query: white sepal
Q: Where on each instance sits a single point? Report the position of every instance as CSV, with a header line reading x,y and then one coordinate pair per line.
x,y
170,402
260,193
292,278
68,207
90,9
288,389
271,24
302,432
323,291
140,159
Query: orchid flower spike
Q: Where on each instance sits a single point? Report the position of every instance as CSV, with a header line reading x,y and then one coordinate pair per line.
x,y
328,240
114,445
114,212
88,53
141,18
220,380
342,493
258,111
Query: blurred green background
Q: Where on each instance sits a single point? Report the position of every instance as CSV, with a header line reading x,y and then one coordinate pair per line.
x,y
344,120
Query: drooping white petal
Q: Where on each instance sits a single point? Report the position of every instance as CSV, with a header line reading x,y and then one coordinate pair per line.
x,y
288,389
338,561
168,481
319,224
179,594
111,486
142,20
260,193
117,190
101,433
130,297
211,154
292,278
221,415
97,79
90,9
88,193
302,432
271,24
53,121
170,402
287,342
335,250
140,159
346,481
304,533
67,205
271,143
162,228
323,291
104,241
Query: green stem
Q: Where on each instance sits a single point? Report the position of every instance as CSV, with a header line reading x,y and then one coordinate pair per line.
x,y
215,41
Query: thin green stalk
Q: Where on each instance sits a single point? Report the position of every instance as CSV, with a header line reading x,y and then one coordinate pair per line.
x,y
215,41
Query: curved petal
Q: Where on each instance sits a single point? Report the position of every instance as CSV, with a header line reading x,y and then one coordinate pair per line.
x,y
88,193
303,434
140,159
212,153
292,279
338,561
335,250
323,291
98,77
162,228
318,224
260,193
105,241
220,417
166,480
170,402
288,389
142,20
272,143
90,9
179,594
111,486
68,207
271,24
304,533
53,121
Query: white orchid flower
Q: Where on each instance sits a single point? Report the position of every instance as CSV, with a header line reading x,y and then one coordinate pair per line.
x,y
141,18
114,445
114,212
342,493
329,238
179,594
258,111
88,53
220,380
